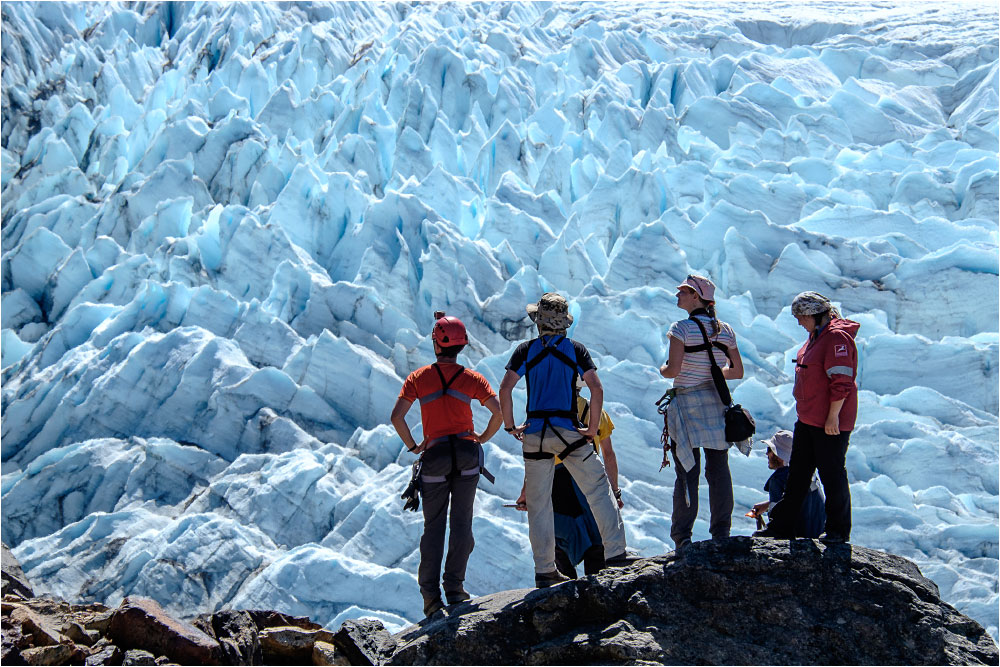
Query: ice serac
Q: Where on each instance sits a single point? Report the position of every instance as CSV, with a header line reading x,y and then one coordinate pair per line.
x,y
225,228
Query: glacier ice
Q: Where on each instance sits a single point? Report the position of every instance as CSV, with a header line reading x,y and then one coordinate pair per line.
x,y
226,226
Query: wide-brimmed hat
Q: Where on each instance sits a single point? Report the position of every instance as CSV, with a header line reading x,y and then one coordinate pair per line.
x,y
701,285
551,312
781,444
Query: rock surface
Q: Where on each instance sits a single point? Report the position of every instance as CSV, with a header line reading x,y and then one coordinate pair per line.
x,y
735,601
140,623
14,580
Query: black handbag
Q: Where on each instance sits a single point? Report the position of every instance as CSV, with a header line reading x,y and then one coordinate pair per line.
x,y
740,424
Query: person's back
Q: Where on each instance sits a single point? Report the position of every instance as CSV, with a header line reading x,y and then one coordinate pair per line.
x,y
450,461
550,364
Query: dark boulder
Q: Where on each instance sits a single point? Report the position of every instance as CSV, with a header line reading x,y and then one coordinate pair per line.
x,y
364,642
265,618
734,601
141,623
105,653
236,633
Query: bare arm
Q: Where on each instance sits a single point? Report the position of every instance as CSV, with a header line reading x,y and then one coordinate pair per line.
x,y
510,379
398,420
611,466
496,420
596,403
672,368
734,370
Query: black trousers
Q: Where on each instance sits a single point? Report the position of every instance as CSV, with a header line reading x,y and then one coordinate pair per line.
x,y
812,450
447,505
720,496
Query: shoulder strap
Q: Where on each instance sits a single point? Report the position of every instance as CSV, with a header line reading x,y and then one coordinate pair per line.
x,y
717,377
446,389
707,345
550,349
445,385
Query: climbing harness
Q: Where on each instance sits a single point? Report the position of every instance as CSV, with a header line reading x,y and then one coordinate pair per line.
x,y
454,438
549,349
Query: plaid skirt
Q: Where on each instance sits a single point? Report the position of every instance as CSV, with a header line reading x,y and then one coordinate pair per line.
x,y
696,418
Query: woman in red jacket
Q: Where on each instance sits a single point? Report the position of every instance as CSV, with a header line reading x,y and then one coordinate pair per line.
x,y
826,403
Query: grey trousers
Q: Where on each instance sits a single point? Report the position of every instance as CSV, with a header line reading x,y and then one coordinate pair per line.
x,y
720,496
588,473
460,493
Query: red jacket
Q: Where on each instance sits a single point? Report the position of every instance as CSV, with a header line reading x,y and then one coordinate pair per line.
x,y
825,370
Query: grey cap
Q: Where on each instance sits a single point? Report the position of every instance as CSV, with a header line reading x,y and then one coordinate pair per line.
x,y
781,444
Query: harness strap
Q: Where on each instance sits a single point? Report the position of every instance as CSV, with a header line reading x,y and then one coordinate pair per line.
x,y
703,347
547,414
549,348
717,378
535,456
458,436
468,472
572,447
446,389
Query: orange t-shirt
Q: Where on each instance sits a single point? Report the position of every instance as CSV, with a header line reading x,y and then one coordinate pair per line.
x,y
448,414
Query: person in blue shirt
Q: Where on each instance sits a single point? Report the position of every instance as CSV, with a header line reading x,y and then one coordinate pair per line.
x,y
550,365
812,516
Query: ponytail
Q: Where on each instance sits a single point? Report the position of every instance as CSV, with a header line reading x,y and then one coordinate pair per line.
x,y
710,308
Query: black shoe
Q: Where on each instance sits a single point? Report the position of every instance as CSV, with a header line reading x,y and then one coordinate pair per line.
x,y
433,606
772,533
546,579
456,597
624,558
827,538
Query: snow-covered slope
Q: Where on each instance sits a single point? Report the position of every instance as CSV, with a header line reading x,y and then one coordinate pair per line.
x,y
226,226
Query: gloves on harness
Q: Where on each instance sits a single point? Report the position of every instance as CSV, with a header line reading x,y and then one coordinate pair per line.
x,y
411,496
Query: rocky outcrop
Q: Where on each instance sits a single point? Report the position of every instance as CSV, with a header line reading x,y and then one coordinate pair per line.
x,y
140,623
735,601
14,580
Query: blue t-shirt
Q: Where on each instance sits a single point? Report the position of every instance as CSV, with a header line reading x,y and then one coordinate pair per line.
x,y
552,382
812,515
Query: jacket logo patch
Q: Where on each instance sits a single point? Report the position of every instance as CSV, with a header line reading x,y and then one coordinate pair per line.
x,y
840,350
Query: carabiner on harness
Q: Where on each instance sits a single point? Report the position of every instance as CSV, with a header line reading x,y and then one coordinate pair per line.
x,y
661,407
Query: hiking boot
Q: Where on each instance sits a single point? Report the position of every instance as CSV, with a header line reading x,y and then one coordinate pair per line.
x,y
546,579
456,597
834,538
433,606
624,558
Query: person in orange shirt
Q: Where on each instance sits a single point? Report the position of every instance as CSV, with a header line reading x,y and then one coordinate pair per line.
x,y
451,458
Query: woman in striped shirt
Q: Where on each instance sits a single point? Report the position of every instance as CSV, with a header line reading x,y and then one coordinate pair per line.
x,y
695,417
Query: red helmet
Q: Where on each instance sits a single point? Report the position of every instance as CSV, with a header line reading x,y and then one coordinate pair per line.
x,y
449,331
